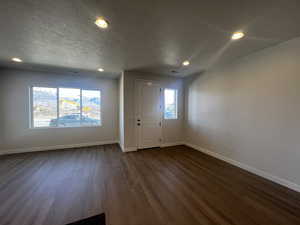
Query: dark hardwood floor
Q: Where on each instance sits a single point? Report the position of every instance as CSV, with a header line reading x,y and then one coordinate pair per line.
x,y
170,186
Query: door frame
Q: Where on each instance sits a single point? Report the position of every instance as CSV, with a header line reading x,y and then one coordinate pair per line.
x,y
136,106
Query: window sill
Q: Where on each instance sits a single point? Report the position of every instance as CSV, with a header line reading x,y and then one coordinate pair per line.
x,y
42,128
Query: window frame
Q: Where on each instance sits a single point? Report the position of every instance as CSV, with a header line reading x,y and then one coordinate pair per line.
x,y
176,104
31,114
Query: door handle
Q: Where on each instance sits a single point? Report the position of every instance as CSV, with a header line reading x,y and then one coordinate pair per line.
x,y
138,120
138,124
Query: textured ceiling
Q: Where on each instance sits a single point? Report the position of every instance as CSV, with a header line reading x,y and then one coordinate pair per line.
x,y
144,35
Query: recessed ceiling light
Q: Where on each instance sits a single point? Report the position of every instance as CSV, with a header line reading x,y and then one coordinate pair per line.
x,y
17,60
100,70
186,63
102,23
237,35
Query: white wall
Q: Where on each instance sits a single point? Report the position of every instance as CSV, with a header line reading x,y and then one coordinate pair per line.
x,y
121,111
172,129
249,111
15,131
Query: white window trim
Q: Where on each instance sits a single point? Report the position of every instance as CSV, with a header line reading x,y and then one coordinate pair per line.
x,y
31,117
176,104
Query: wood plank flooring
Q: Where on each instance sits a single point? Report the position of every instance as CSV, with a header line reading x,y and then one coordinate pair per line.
x,y
170,186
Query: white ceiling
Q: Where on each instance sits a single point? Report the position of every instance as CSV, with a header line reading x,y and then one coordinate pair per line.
x,y
144,35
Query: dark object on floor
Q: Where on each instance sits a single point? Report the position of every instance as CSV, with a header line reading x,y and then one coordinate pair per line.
x,y
94,220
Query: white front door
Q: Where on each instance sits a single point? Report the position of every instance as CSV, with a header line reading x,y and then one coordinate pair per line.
x,y
149,114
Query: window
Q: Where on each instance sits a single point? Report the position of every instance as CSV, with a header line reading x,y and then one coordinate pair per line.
x,y
170,99
69,107
90,107
44,106
65,107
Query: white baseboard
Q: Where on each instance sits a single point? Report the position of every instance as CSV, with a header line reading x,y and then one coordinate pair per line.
x,y
130,149
169,144
251,169
55,147
127,149
121,146
133,149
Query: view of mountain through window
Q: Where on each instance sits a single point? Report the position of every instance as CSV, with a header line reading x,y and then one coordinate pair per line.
x,y
44,106
65,107
69,107
91,107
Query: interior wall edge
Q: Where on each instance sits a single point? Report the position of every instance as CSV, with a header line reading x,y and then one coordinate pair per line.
x,y
121,146
261,173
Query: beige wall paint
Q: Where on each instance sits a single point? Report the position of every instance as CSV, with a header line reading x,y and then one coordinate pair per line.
x,y
15,131
1,110
249,110
172,129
